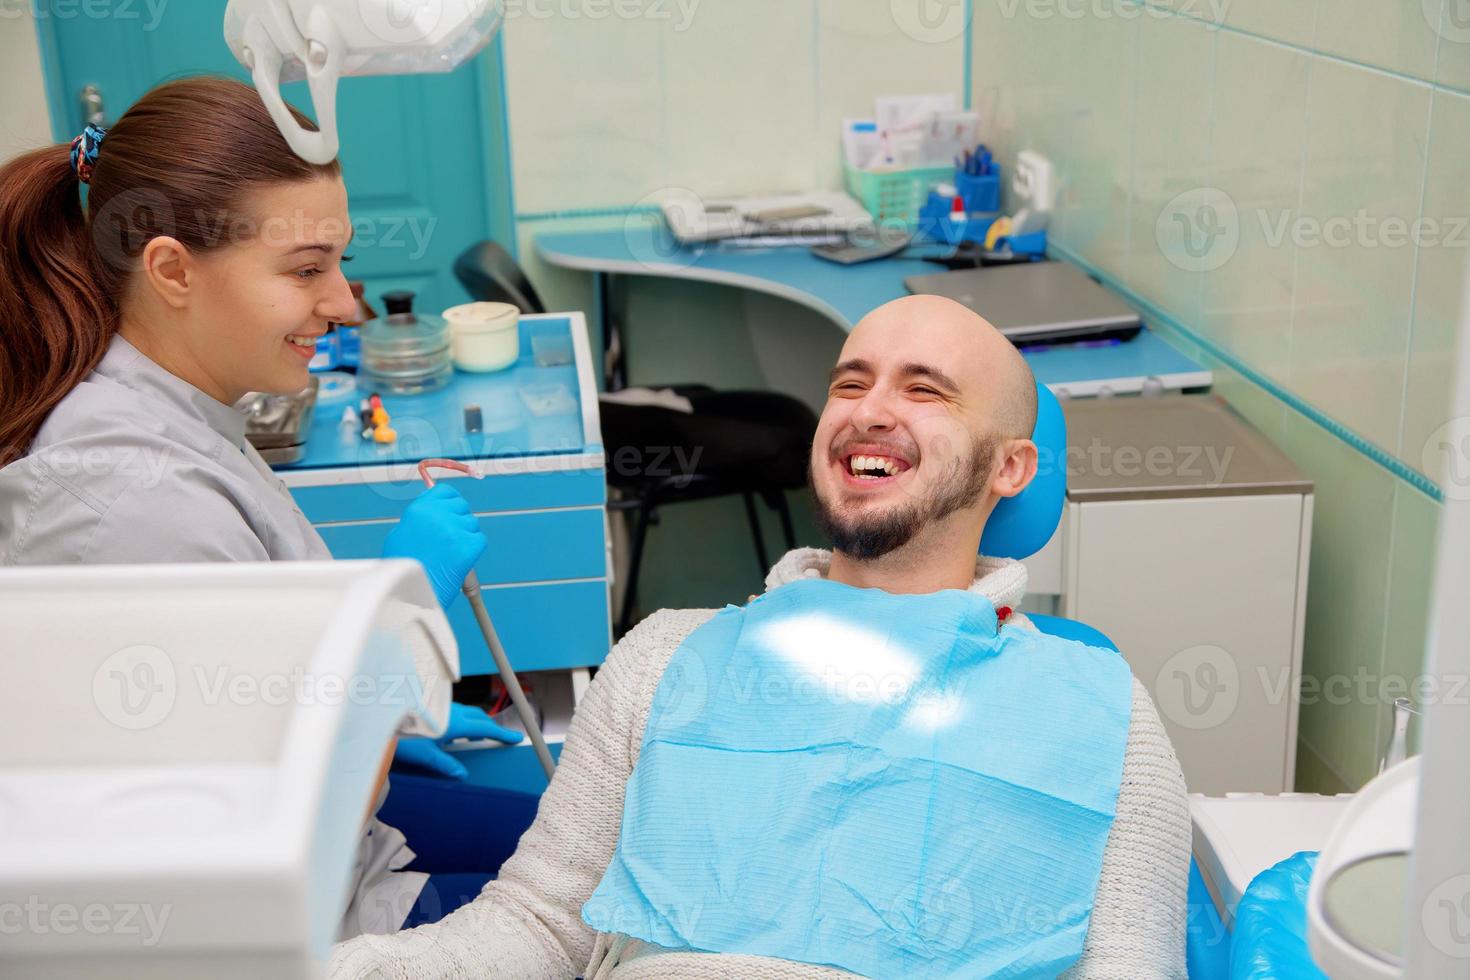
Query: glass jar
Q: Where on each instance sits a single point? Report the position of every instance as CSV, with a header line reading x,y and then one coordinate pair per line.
x,y
405,353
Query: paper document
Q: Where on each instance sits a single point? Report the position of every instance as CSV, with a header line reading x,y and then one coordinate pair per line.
x,y
817,213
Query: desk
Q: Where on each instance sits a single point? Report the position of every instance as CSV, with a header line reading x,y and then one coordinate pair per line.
x,y
845,294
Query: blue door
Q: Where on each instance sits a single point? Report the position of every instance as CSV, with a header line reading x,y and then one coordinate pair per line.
x,y
425,157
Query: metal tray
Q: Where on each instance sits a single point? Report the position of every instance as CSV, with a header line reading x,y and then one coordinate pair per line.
x,y
278,426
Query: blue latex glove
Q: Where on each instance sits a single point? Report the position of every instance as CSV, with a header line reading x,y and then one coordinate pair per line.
x,y
439,532
465,721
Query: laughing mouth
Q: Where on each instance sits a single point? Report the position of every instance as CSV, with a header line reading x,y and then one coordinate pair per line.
x,y
870,466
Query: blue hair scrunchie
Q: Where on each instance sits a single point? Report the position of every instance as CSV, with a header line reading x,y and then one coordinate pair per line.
x,y
84,151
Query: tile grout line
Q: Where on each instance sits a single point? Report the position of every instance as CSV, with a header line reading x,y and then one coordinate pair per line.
x,y
1323,761
1132,153
1310,49
1444,11
1414,278
1200,301
1157,314
816,80
1393,531
1301,195
510,160
969,55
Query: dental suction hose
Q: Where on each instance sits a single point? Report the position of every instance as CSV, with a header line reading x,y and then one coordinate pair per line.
x,y
471,589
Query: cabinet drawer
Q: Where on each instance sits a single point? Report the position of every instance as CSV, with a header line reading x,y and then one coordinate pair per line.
x,y
542,627
363,501
534,547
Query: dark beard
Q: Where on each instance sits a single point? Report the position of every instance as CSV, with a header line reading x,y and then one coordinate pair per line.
x,y
864,538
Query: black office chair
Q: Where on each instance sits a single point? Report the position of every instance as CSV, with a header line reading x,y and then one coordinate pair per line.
x,y
751,443
489,273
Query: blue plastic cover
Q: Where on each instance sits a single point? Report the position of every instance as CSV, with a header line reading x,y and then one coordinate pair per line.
x,y
1207,941
1271,924
887,784
1020,526
1070,629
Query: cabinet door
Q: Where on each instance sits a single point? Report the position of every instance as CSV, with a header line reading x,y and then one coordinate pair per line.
x,y
1201,597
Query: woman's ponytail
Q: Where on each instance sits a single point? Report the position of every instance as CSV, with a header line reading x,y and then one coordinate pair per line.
x,y
179,163
55,320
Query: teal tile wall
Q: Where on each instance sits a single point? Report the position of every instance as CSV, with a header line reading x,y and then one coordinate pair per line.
x,y
720,97
1288,183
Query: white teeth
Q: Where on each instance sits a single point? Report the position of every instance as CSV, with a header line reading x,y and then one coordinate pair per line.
x,y
862,466
300,341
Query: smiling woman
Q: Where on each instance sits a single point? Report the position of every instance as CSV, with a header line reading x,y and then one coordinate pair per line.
x,y
205,264
195,167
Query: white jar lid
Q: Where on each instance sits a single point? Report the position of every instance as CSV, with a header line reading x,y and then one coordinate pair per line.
x,y
482,317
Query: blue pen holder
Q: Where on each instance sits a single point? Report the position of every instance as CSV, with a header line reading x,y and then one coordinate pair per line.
x,y
935,222
980,194
1033,244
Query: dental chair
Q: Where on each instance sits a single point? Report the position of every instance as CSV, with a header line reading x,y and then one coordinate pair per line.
x,y
1020,527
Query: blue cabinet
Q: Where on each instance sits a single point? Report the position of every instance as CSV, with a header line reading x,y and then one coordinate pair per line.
x,y
541,501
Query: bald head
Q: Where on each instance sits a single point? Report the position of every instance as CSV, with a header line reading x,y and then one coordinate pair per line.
x,y
990,376
927,424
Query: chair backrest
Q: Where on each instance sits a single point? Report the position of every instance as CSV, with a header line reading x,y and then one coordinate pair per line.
x,y
1020,526
489,273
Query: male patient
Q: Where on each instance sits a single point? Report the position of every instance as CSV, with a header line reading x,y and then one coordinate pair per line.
x,y
875,768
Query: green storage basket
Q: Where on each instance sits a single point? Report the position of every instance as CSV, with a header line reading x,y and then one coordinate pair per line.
x,y
895,196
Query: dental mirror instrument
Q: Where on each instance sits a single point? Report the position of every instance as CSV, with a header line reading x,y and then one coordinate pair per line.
x,y
471,590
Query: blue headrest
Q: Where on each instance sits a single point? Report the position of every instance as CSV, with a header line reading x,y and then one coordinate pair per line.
x,y
1020,526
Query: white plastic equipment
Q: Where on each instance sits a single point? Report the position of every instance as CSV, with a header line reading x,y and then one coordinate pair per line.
x,y
188,753
323,40
1239,835
1418,807
1379,823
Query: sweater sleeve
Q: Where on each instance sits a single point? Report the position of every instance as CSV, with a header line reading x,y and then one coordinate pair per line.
x,y
1138,915
527,924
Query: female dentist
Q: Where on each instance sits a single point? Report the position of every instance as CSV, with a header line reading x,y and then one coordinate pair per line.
x,y
204,265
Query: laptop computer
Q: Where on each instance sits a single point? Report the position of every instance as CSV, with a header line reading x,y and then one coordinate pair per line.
x,y
1035,302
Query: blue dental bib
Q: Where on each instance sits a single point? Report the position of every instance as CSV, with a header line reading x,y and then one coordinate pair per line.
x,y
886,784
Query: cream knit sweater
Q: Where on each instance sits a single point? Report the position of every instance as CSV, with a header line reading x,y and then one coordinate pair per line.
x,y
527,924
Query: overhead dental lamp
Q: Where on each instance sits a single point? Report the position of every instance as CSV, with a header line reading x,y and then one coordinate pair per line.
x,y
322,40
